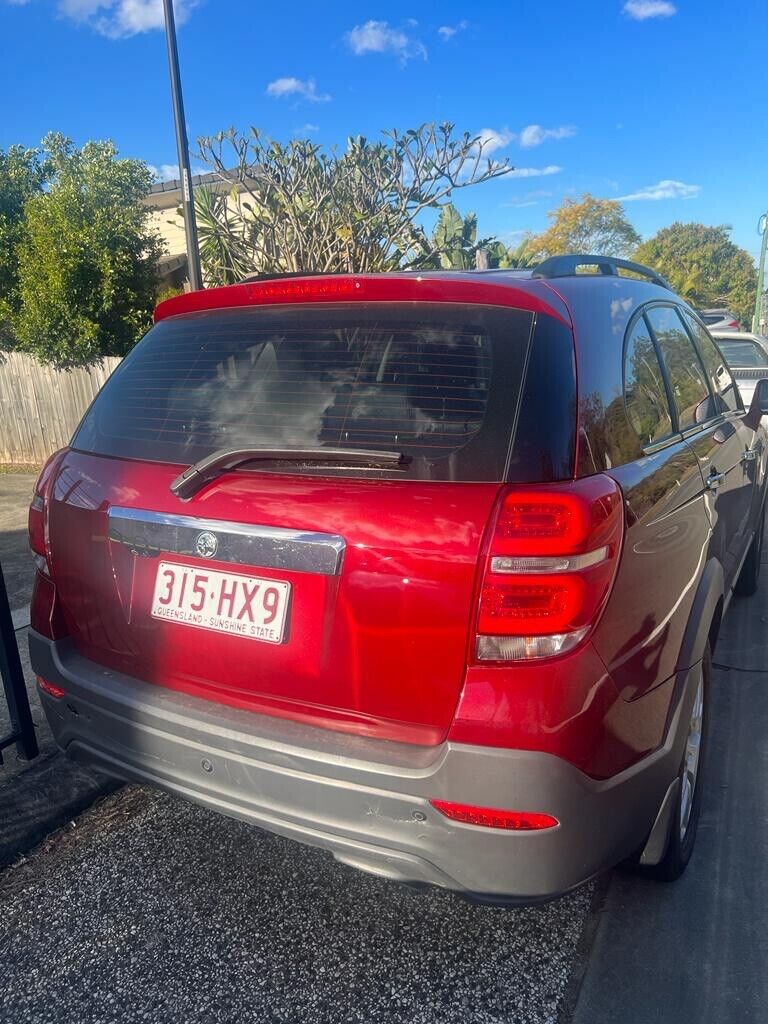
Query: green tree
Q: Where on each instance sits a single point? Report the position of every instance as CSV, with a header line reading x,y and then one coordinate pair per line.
x,y
298,207
87,258
519,257
455,245
587,225
23,173
704,266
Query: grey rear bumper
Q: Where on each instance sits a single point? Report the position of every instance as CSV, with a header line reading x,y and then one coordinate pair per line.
x,y
366,801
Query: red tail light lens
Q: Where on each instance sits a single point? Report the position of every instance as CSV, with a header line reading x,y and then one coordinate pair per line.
x,y
551,563
36,525
36,519
489,817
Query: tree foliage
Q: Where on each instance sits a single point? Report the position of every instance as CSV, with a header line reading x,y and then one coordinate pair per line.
x,y
455,246
520,257
297,207
87,258
587,225
704,266
23,173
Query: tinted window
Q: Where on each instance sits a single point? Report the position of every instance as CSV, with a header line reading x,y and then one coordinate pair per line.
x,y
645,397
438,383
686,374
743,352
720,379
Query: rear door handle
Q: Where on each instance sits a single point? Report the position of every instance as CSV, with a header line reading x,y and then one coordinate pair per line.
x,y
714,480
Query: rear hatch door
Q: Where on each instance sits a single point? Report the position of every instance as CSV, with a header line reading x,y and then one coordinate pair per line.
x,y
337,594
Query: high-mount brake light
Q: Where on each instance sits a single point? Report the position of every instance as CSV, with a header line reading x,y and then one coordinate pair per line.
x,y
303,288
490,817
551,563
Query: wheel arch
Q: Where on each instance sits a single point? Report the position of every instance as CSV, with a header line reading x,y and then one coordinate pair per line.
x,y
705,617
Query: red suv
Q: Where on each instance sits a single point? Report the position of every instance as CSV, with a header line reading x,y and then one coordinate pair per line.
x,y
424,570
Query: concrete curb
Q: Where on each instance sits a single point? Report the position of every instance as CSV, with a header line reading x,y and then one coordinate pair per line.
x,y
37,801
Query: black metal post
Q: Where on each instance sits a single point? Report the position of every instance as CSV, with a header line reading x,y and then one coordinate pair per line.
x,y
182,146
22,727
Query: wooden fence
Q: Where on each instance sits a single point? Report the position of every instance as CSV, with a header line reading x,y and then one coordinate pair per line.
x,y
40,407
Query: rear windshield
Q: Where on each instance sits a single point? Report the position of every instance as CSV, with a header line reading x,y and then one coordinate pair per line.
x,y
742,353
438,383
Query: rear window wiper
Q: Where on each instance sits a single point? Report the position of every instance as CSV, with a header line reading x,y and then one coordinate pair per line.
x,y
200,473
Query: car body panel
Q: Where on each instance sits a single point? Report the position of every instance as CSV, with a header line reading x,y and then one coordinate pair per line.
x,y
379,648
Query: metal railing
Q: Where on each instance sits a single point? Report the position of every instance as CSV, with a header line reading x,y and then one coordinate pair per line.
x,y
22,727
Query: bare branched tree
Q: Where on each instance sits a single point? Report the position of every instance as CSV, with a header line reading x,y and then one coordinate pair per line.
x,y
297,207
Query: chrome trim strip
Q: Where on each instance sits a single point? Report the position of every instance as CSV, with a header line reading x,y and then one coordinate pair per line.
x,y
151,534
516,565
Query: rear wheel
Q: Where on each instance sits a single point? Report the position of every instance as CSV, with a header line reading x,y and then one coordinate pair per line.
x,y
688,804
746,584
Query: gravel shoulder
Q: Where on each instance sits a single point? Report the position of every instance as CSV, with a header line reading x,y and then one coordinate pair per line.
x,y
151,909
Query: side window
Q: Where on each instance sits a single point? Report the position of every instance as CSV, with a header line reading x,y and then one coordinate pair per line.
x,y
645,397
719,375
690,390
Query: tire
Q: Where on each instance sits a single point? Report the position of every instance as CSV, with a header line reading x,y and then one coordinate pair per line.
x,y
746,584
685,820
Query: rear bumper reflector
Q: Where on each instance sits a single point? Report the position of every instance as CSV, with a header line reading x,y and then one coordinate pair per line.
x,y
50,688
489,817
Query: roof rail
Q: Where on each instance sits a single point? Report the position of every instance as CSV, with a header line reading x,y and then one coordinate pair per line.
x,y
566,266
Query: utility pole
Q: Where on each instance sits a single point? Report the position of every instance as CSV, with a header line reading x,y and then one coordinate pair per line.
x,y
762,229
182,146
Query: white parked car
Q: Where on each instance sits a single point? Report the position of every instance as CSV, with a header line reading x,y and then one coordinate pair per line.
x,y
719,320
747,357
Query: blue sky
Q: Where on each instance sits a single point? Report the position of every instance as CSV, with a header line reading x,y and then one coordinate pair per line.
x,y
660,102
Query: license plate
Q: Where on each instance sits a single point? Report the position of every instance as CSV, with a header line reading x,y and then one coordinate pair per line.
x,y
222,601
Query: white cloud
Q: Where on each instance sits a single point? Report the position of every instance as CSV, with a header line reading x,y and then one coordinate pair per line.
x,y
445,32
641,10
493,139
17,3
535,172
534,134
118,19
381,37
301,88
165,172
309,127
530,199
667,189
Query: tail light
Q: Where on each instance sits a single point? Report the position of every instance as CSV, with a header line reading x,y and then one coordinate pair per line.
x,y
549,568
45,611
37,513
